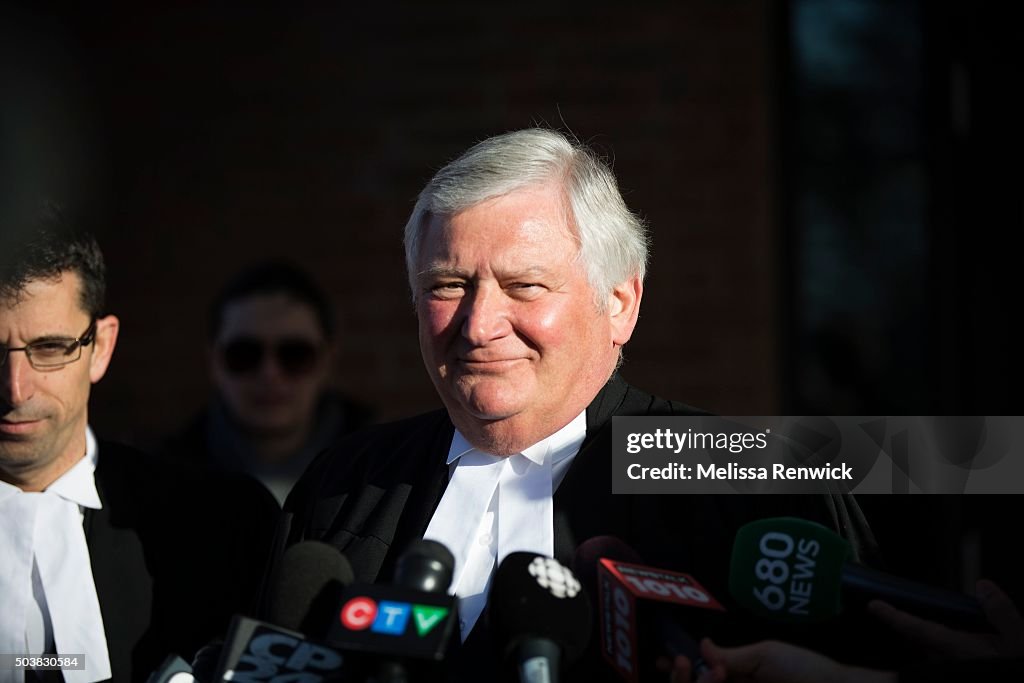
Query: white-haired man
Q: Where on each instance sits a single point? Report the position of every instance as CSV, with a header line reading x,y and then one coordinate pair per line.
x,y
527,273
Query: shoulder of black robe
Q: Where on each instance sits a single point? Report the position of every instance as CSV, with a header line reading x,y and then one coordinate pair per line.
x,y
371,492
175,551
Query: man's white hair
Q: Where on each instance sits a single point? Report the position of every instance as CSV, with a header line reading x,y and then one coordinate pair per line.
x,y
612,240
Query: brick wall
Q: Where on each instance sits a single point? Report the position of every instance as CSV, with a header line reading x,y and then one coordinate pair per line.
x,y
232,134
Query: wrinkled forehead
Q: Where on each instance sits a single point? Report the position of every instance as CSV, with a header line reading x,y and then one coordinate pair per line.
x,y
533,217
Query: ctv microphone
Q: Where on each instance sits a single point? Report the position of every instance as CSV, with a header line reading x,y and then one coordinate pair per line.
x,y
425,566
637,604
304,589
400,631
539,614
796,570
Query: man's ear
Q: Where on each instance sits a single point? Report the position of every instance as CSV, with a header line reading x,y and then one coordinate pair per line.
x,y
624,308
103,346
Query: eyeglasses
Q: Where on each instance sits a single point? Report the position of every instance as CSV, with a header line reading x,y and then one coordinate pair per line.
x,y
49,354
246,355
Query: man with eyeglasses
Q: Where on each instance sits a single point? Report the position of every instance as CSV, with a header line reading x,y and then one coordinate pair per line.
x,y
104,551
271,353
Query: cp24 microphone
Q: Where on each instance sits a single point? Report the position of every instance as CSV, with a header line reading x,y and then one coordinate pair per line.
x,y
795,570
400,631
304,591
539,616
638,605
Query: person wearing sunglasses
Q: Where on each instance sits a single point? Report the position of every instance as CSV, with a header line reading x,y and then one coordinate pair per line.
x,y
271,352
104,550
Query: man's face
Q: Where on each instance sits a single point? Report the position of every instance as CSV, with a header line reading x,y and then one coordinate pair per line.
x,y
43,413
508,324
270,363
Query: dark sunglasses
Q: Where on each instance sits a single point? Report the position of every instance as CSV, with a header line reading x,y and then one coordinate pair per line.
x,y
245,355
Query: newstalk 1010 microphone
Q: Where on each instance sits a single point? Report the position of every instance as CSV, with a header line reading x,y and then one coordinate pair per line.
x,y
795,570
539,616
641,609
305,588
400,631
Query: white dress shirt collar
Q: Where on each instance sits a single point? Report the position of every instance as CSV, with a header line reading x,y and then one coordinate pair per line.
x,y
562,444
47,588
497,505
78,484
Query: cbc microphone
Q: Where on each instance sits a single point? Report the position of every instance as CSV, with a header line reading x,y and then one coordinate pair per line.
x,y
539,615
304,592
794,570
639,605
399,631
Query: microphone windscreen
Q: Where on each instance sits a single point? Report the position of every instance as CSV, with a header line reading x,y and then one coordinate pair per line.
x,y
537,597
788,569
204,663
307,586
174,669
590,552
426,566
640,607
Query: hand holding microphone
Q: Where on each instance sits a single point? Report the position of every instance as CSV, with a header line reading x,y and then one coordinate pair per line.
x,y
793,570
1003,616
641,610
797,571
771,661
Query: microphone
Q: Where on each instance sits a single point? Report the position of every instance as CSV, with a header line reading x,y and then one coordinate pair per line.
x,y
637,604
795,570
425,566
540,613
173,669
307,586
305,589
400,631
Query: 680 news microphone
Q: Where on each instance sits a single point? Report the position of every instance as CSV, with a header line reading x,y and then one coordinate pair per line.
x,y
401,631
539,616
640,605
303,595
796,570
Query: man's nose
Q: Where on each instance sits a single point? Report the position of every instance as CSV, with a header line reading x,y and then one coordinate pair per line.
x,y
271,370
486,315
17,379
